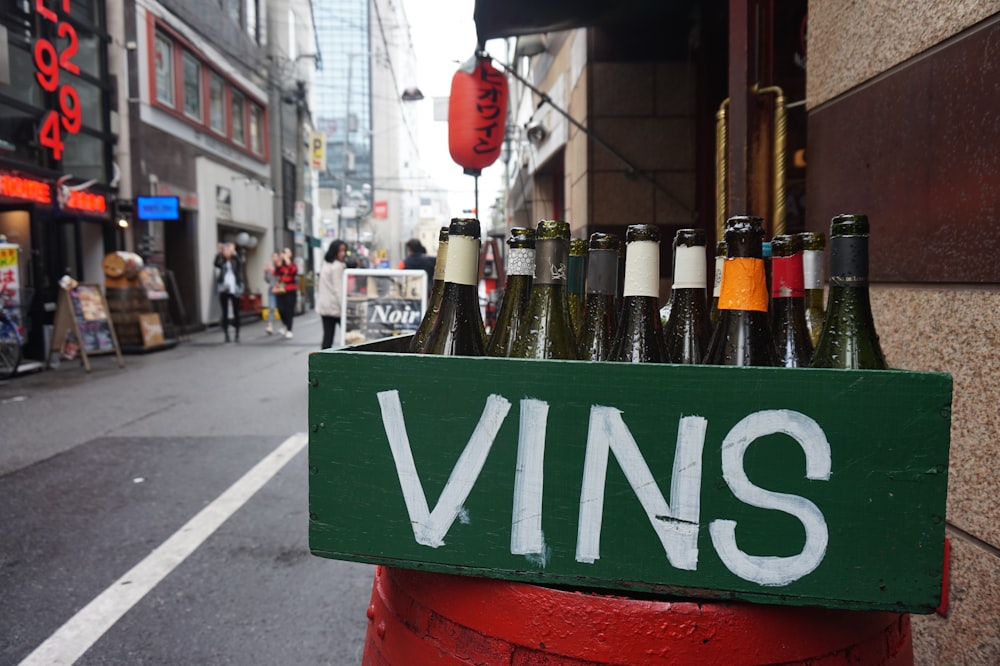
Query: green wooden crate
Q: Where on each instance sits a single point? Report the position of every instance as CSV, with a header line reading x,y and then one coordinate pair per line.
x,y
773,485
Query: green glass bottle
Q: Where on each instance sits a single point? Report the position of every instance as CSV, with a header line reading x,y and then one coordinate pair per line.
x,y
517,291
743,334
813,255
575,281
437,291
639,335
687,331
788,311
720,260
849,339
458,329
600,312
546,331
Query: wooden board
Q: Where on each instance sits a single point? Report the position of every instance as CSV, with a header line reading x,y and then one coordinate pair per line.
x,y
783,486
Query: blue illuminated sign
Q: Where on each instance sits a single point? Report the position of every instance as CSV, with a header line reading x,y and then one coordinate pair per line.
x,y
157,208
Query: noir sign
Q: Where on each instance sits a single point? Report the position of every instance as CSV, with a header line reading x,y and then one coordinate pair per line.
x,y
790,486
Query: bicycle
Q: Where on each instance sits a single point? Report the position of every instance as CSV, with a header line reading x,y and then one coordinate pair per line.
x,y
11,333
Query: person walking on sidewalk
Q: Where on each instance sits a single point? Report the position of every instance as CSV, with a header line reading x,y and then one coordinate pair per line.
x,y
229,278
287,289
271,279
330,290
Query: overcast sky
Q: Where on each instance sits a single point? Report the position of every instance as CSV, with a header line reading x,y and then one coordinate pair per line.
x,y
444,35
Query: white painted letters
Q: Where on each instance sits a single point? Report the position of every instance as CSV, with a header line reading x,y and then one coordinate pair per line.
x,y
675,524
765,570
429,527
526,527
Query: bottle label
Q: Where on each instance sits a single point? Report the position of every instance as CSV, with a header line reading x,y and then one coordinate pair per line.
x,y
442,260
521,261
642,269
463,260
551,261
744,285
719,263
786,277
602,272
689,267
849,260
812,269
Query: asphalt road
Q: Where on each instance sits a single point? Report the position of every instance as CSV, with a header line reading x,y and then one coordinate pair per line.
x,y
110,512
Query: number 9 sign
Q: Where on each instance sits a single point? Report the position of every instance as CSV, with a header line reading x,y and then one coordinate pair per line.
x,y
48,66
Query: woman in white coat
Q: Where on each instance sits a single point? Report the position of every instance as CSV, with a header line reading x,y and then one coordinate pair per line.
x,y
331,290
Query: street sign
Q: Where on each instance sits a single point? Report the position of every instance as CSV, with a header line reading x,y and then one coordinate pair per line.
x,y
775,485
157,208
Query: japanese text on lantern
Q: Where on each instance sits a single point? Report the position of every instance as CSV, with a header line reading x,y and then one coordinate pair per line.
x,y
49,64
490,107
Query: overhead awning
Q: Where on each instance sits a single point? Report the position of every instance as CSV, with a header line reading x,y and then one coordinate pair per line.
x,y
510,18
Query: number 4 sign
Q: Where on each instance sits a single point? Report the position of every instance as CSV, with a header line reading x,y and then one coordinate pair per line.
x,y
48,63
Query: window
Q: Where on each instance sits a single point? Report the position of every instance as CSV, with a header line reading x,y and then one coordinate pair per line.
x,y
164,70
239,128
256,143
216,103
232,8
192,86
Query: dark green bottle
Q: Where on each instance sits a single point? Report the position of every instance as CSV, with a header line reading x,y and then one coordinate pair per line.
x,y
849,339
813,256
720,260
437,291
743,334
788,311
639,335
575,281
517,291
687,331
546,331
600,312
458,329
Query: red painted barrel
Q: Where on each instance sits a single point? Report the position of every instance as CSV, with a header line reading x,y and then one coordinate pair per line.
x,y
424,619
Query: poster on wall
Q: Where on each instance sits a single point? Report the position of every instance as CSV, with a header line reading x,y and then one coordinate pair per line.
x,y
381,303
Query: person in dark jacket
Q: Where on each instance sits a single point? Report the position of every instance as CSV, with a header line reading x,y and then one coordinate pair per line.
x,y
417,258
229,279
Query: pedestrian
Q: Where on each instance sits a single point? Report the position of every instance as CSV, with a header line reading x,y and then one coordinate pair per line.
x,y
286,289
229,280
330,292
416,257
271,279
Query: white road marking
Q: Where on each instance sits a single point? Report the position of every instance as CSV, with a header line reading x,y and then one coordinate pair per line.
x,y
84,629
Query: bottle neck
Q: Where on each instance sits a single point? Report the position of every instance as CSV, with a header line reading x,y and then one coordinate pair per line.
x,y
521,261
602,272
577,274
463,261
787,277
719,263
812,269
689,267
744,285
642,269
441,262
551,262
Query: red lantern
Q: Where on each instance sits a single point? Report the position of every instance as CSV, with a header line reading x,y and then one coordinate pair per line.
x,y
477,115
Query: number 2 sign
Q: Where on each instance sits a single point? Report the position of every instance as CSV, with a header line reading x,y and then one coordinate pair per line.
x,y
48,66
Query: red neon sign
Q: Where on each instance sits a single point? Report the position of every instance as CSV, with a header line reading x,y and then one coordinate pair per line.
x,y
87,201
25,188
48,63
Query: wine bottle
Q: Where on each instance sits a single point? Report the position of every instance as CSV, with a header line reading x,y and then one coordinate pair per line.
x,y
458,329
575,281
546,331
517,291
788,312
600,313
743,334
639,337
720,260
813,247
687,331
848,339
437,291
